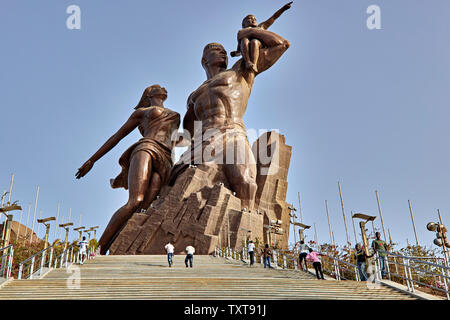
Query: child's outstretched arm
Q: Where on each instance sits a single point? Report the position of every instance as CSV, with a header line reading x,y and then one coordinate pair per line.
x,y
266,24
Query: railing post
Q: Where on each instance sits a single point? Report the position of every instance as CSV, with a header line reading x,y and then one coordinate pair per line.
x,y
62,258
387,266
275,258
31,268
43,254
444,278
50,259
357,274
10,261
406,275
284,262
338,273
19,276
377,267
410,276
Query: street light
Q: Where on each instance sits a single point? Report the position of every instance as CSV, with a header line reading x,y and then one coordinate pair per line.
x,y
441,236
362,225
8,221
80,230
301,231
95,231
274,227
47,228
66,227
293,216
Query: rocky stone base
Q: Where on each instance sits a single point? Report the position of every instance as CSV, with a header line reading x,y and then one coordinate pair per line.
x,y
201,210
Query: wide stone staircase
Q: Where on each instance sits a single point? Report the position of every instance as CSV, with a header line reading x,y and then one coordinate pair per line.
x,y
149,277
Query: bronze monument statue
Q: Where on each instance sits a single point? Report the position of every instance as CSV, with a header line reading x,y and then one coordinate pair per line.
x,y
146,164
213,203
220,104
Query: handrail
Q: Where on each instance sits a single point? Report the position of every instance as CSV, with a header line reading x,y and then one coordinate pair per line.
x,y
423,262
41,253
408,264
34,255
63,257
6,261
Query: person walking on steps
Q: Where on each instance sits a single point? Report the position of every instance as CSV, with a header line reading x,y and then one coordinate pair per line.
x,y
169,249
251,252
82,254
361,258
313,256
302,256
190,250
380,247
267,254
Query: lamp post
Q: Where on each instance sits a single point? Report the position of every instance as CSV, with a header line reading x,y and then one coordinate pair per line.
x,y
301,230
80,230
66,227
441,236
362,225
47,228
274,227
95,231
293,216
6,232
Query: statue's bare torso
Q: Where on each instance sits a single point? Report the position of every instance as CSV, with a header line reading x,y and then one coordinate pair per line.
x,y
221,101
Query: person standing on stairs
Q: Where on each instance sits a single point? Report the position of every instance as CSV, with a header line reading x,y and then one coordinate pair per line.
x,y
303,253
190,250
251,252
313,256
267,254
82,254
169,249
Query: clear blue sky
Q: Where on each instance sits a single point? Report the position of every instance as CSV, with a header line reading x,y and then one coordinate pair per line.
x,y
369,108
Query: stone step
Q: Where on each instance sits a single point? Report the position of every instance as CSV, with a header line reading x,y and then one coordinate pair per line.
x,y
149,277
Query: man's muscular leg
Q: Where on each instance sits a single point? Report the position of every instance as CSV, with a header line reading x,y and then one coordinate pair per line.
x,y
242,179
241,173
138,180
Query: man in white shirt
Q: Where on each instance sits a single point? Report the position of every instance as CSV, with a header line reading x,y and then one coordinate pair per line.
x,y
169,248
304,250
190,256
251,252
82,253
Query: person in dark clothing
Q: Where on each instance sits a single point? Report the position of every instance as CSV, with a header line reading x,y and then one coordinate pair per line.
x,y
361,258
267,253
317,264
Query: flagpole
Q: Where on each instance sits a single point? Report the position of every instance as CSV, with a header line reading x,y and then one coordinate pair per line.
x,y
414,225
34,214
329,224
381,215
354,230
343,215
28,219
300,208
